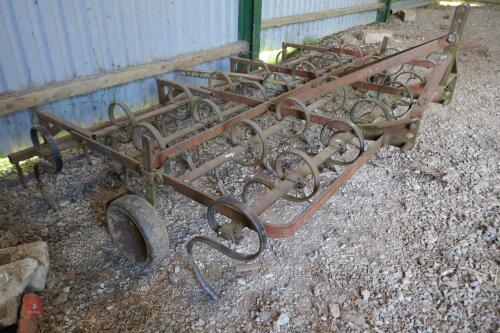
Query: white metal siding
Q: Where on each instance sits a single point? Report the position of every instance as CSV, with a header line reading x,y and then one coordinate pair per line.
x,y
272,38
46,41
400,4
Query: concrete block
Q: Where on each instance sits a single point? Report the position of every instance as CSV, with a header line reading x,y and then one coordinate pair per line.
x,y
36,250
8,312
375,36
22,268
14,278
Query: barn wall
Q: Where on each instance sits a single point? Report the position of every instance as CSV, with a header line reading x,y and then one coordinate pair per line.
x,y
401,4
52,41
271,38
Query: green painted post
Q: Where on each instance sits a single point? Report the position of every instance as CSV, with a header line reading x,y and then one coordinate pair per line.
x,y
383,13
257,21
249,24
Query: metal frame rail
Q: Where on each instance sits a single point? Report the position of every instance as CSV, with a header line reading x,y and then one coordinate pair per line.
x,y
138,236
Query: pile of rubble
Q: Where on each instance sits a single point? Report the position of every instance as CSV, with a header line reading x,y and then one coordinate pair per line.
x,y
22,269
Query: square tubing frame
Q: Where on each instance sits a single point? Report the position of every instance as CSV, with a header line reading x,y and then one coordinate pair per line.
x,y
400,133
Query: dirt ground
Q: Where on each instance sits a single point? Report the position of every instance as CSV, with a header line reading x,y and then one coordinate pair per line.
x,y
410,244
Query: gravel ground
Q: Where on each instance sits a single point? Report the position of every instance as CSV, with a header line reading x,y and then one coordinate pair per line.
x,y
410,244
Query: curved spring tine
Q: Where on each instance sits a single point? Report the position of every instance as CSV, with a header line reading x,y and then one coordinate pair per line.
x,y
253,223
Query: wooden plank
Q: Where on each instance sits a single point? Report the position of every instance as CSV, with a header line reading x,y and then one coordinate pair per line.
x,y
81,86
277,22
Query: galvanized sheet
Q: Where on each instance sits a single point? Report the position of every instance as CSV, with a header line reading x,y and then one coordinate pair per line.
x,y
272,38
45,41
397,5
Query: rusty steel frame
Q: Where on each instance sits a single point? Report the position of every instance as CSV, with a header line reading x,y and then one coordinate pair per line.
x,y
321,49
398,132
416,89
401,133
310,90
106,127
325,49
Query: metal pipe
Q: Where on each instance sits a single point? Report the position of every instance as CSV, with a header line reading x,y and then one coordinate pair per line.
x,y
254,112
275,230
284,186
169,139
223,158
208,166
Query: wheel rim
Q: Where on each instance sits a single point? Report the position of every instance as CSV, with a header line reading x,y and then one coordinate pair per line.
x,y
127,236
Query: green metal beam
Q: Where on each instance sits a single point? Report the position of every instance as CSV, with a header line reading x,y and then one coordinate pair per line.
x,y
384,12
249,25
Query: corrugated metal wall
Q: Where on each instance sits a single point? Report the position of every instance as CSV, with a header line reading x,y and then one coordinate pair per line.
x,y
45,41
397,5
272,38
90,109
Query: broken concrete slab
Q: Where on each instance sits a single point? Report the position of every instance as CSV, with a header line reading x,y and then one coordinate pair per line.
x,y
375,36
14,278
36,250
22,268
8,312
408,15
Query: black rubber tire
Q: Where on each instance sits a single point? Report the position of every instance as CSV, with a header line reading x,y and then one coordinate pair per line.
x,y
137,230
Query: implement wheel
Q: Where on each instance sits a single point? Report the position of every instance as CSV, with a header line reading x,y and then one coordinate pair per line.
x,y
137,230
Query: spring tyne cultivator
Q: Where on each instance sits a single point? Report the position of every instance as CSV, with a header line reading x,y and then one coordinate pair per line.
x,y
324,109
